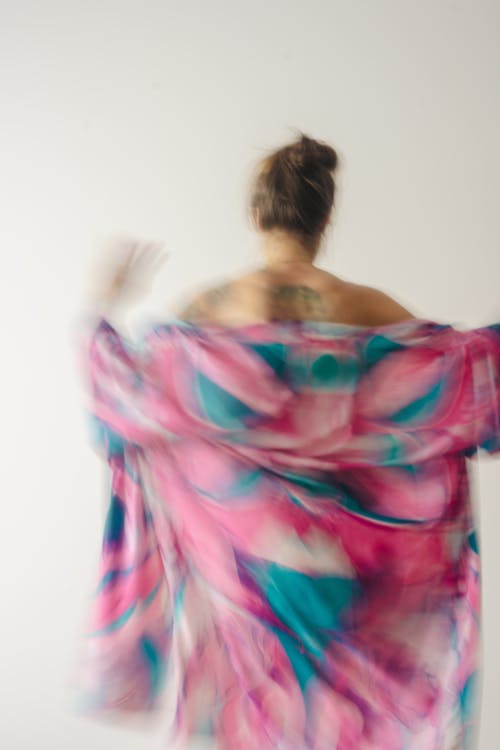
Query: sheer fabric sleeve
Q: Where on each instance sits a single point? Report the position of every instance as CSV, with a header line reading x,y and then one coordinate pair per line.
x,y
431,397
127,633
121,387
485,344
121,666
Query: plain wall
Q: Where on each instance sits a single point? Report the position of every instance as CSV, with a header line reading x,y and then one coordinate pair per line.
x,y
146,117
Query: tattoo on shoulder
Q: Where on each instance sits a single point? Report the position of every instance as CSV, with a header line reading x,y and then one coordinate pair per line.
x,y
217,295
192,312
297,302
206,304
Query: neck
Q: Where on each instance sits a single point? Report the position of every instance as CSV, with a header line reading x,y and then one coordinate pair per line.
x,y
284,249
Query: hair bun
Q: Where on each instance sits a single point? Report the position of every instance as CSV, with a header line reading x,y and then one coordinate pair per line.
x,y
308,152
294,187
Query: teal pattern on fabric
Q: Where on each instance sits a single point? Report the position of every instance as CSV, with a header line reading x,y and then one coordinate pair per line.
x,y
324,372
379,347
302,663
219,405
301,600
274,353
469,700
491,444
310,606
347,500
150,597
115,624
314,485
393,450
299,371
115,522
104,438
179,597
343,497
473,541
468,696
151,658
329,372
111,577
421,408
245,483
125,616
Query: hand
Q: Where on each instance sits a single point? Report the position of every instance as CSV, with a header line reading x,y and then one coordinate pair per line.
x,y
127,271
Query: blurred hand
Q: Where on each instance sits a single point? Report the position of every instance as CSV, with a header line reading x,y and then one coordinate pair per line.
x,y
127,270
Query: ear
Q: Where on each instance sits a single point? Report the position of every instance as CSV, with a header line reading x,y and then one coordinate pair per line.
x,y
326,222
255,218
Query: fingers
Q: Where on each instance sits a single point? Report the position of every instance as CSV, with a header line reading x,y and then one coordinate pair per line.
x,y
129,253
132,263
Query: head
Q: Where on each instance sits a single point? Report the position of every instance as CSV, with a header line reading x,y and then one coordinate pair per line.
x,y
293,191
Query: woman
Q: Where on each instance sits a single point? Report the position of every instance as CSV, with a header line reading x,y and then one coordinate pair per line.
x,y
291,204
290,552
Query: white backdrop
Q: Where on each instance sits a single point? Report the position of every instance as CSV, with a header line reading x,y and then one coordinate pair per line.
x,y
145,116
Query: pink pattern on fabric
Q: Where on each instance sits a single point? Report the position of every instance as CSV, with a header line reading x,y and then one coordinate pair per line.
x,y
290,557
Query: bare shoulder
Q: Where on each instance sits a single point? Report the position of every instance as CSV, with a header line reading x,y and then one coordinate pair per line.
x,y
369,306
259,295
203,304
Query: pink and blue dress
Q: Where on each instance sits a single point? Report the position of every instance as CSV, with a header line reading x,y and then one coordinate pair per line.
x,y
290,557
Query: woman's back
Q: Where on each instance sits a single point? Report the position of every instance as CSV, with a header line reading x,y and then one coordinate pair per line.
x,y
291,202
300,291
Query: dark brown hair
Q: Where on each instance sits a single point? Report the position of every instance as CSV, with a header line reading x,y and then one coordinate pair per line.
x,y
293,188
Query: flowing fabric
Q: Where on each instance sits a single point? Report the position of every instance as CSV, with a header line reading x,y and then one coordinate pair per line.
x,y
290,554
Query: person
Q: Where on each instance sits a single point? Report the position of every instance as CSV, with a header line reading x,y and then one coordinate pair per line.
x,y
290,552
292,200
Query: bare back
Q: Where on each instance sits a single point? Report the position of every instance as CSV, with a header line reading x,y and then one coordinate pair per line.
x,y
305,293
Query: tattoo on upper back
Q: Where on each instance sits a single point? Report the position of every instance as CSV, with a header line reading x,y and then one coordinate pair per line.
x,y
206,304
285,302
192,312
297,302
217,295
